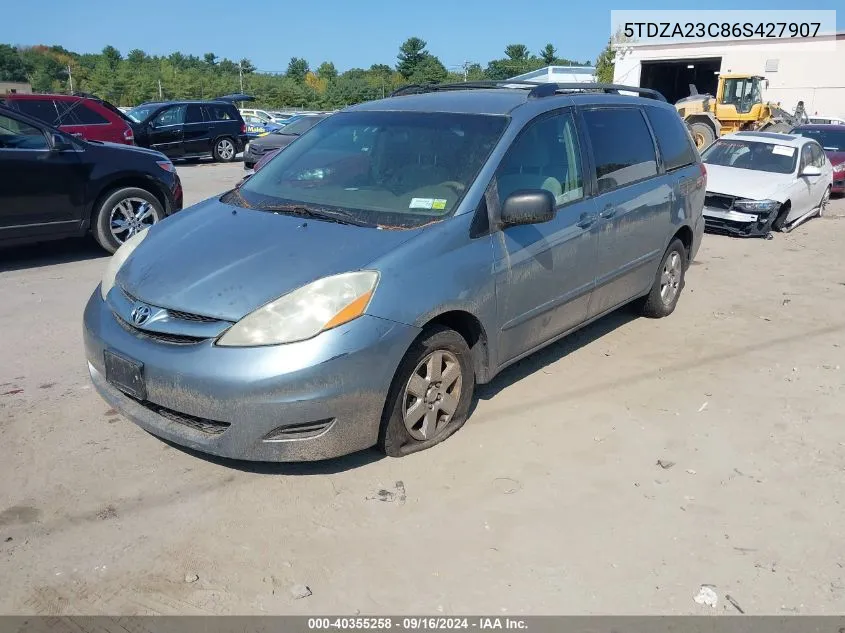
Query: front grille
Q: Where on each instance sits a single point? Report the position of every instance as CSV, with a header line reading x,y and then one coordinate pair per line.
x,y
300,430
718,201
175,339
187,316
209,427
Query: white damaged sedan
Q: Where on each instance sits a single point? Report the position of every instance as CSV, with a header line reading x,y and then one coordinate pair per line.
x,y
758,182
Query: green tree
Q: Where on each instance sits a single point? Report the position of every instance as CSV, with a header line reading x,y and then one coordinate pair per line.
x,y
516,52
11,65
549,55
474,72
411,54
327,71
429,70
111,56
210,59
136,56
247,67
297,69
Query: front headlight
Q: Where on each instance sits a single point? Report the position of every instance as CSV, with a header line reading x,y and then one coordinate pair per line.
x,y
839,167
246,147
117,260
756,206
305,312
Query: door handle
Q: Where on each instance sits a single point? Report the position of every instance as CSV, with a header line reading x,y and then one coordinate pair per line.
x,y
587,220
608,212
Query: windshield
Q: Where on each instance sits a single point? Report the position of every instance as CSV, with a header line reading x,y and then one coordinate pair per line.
x,y
300,126
398,169
759,156
831,140
141,113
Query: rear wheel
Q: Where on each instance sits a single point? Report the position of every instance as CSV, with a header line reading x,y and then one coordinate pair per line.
x,y
430,395
224,150
123,213
668,283
702,134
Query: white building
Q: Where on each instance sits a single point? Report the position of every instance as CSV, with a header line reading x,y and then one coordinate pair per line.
x,y
798,69
560,74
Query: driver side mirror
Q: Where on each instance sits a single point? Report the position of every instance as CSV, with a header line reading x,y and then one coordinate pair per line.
x,y
811,170
59,143
528,206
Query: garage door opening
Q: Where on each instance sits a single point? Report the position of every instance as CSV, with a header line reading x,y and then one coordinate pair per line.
x,y
672,77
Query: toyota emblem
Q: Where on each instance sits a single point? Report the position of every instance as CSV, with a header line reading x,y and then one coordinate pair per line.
x,y
140,314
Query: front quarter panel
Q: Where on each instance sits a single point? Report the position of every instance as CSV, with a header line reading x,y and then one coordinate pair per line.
x,y
440,270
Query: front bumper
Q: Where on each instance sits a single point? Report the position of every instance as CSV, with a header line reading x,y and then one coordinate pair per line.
x,y
738,223
251,156
838,185
311,400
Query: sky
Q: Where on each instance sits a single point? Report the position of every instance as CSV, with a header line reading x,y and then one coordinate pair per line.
x,y
352,34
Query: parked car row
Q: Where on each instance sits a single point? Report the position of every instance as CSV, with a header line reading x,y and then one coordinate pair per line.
x,y
56,185
515,216
275,140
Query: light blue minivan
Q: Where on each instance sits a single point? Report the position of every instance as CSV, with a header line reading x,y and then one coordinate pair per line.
x,y
354,291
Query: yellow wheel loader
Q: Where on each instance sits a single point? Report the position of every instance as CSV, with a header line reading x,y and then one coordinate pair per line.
x,y
738,105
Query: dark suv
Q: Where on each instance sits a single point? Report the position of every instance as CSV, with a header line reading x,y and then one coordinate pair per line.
x,y
80,115
55,185
190,129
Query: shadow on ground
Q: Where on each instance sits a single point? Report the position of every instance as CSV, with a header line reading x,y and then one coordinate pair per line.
x,y
50,253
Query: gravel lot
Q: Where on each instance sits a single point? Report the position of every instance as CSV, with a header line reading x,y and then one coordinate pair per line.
x,y
549,500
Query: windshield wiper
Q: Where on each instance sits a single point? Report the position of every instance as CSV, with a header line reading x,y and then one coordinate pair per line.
x,y
318,213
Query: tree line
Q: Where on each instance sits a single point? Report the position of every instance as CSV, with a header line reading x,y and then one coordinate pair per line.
x,y
137,77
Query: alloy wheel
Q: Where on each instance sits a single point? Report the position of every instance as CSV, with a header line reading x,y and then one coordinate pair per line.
x,y
131,216
225,149
432,395
670,278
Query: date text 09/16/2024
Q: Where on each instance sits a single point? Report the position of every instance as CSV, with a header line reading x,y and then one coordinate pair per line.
x,y
416,623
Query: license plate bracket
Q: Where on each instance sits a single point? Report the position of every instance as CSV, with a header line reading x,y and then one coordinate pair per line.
x,y
125,374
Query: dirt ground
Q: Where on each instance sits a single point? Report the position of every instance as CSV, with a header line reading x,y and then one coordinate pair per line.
x,y
550,500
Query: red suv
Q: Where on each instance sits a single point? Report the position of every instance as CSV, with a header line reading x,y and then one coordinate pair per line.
x,y
80,115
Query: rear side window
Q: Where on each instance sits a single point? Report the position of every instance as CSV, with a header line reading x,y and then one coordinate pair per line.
x,y
43,109
623,150
219,112
672,138
194,114
85,115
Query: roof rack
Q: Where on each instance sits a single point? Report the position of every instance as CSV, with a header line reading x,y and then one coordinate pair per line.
x,y
536,90
86,95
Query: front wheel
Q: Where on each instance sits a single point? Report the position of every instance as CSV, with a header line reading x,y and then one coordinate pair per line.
x,y
668,283
702,134
123,213
224,150
823,202
431,393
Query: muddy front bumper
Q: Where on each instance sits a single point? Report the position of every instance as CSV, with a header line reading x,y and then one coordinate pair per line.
x,y
310,400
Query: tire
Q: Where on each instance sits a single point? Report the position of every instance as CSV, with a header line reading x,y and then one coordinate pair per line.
x,y
224,150
659,302
783,213
823,202
122,213
702,134
395,438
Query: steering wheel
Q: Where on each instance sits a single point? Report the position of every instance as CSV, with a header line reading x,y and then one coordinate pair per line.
x,y
459,187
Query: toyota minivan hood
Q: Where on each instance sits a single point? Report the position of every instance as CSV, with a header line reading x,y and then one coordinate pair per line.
x,y
747,183
223,261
